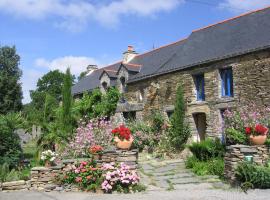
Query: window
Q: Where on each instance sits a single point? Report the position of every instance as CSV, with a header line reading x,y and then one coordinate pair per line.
x,y
169,113
226,82
123,84
199,82
129,115
105,86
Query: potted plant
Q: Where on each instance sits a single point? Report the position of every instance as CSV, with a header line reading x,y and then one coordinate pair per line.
x,y
48,157
257,134
122,137
96,151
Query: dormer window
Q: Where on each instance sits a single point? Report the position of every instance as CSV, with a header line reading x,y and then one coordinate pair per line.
x,y
123,84
105,86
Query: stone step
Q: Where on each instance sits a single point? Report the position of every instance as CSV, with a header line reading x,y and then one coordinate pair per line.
x,y
186,180
193,186
176,176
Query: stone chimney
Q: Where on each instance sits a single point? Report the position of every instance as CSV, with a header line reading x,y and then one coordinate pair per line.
x,y
91,68
129,54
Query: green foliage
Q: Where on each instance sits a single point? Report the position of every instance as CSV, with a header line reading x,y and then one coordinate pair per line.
x,y
7,175
251,175
211,167
10,86
234,136
207,149
179,132
96,104
67,101
10,148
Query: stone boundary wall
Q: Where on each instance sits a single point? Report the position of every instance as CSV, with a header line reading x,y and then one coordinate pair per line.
x,y
44,179
236,154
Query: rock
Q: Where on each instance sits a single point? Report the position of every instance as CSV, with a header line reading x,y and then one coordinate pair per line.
x,y
59,188
13,183
40,169
50,187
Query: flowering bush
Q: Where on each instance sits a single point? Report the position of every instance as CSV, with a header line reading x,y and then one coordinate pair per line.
x,y
84,174
122,132
249,120
94,132
259,129
48,155
108,178
121,178
96,149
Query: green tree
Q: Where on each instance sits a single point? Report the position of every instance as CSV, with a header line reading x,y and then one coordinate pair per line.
x,y
10,86
179,131
67,101
51,84
10,148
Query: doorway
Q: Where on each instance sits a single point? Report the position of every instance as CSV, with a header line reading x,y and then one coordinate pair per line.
x,y
200,121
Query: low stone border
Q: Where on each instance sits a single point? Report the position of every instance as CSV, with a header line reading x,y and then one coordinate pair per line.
x,y
43,179
236,154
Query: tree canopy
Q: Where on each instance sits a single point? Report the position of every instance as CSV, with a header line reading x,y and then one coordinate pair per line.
x,y
10,86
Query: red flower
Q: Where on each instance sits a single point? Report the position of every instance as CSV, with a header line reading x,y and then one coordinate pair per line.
x,y
248,130
84,163
83,170
88,177
260,129
96,149
78,179
122,132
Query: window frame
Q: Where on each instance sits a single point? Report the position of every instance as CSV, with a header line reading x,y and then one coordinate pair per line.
x,y
200,91
226,77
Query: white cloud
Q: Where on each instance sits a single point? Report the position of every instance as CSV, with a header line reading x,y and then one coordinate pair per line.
x,y
29,81
76,64
75,14
244,5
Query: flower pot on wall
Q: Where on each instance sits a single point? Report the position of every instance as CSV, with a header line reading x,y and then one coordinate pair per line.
x,y
123,144
258,140
48,163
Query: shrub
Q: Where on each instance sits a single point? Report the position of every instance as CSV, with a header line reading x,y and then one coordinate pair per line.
x,y
207,149
234,136
94,132
179,131
10,148
84,174
7,175
210,167
252,175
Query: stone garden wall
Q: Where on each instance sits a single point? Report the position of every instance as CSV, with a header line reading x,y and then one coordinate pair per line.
x,y
236,154
45,179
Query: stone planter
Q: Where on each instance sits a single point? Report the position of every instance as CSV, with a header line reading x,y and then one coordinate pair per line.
x,y
123,144
258,140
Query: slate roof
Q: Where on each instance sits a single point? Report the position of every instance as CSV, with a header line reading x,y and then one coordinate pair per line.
x,y
92,81
240,35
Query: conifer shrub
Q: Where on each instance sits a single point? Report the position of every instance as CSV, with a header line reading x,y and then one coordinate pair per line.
x,y
179,131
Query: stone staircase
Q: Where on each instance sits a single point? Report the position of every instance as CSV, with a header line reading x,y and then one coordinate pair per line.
x,y
172,175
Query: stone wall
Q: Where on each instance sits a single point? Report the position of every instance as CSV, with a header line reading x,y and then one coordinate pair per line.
x,y
43,178
251,78
235,154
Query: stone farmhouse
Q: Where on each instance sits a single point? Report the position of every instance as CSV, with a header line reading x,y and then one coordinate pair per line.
x,y
224,65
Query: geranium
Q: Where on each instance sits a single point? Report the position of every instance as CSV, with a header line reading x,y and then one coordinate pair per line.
x,y
96,149
122,132
259,129
119,177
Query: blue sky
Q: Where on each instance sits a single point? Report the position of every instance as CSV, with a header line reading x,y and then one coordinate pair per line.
x,y
55,34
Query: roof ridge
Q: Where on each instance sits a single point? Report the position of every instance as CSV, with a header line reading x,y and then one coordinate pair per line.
x,y
135,65
232,18
163,46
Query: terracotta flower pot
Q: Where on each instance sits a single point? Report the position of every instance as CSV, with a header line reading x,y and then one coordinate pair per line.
x,y
123,144
48,163
258,140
